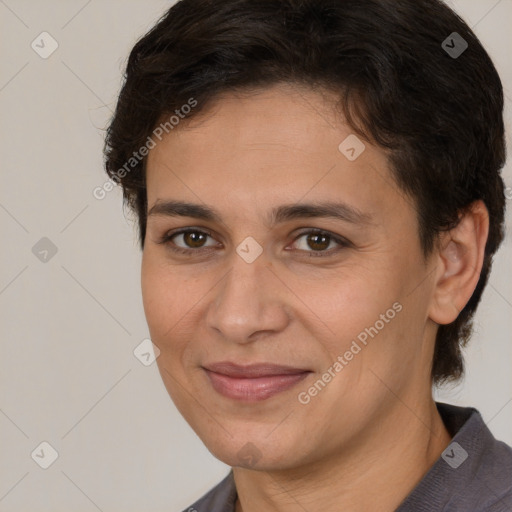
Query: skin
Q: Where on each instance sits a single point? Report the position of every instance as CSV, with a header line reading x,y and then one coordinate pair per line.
x,y
370,435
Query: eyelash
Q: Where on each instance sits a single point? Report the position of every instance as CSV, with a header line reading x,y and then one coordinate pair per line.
x,y
342,243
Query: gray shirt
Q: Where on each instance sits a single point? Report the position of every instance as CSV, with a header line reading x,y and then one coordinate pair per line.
x,y
473,474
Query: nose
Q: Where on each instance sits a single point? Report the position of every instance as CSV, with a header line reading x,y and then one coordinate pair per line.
x,y
250,302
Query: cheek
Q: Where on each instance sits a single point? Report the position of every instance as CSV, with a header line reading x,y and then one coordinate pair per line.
x,y
163,298
173,300
164,305
153,294
364,315
347,302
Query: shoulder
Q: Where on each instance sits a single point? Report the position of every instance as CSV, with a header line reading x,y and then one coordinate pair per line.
x,y
492,482
473,473
220,498
488,473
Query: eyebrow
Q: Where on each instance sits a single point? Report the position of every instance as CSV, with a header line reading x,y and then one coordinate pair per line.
x,y
334,210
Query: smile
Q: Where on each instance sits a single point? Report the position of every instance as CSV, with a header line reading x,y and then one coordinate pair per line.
x,y
253,383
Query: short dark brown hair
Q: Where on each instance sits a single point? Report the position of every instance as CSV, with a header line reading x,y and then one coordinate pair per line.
x,y
439,115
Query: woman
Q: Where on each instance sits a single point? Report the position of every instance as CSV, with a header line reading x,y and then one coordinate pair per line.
x,y
319,199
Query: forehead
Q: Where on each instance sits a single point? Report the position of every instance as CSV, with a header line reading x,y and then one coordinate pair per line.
x,y
283,143
284,119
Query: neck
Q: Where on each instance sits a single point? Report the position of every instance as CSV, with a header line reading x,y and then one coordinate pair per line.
x,y
374,474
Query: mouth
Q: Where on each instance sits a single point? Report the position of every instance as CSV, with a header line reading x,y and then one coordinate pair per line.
x,y
254,382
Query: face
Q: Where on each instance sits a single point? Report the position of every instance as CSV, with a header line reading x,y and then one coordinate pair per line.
x,y
283,280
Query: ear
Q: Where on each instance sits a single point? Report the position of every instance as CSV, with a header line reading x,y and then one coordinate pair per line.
x,y
460,257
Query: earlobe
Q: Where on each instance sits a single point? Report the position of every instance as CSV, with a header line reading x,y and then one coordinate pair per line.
x,y
459,258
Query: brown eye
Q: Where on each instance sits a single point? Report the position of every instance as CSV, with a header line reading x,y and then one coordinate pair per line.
x,y
319,243
188,240
194,238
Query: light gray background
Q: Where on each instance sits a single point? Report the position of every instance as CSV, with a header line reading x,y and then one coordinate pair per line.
x,y
70,325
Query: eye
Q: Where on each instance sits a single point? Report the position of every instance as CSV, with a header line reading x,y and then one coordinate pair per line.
x,y
319,243
188,240
313,242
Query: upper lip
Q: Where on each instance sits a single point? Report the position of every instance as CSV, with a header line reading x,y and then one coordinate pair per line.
x,y
252,370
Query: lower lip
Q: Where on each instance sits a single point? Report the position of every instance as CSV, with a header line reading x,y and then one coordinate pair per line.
x,y
255,389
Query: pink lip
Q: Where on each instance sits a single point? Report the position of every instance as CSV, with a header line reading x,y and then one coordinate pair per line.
x,y
253,382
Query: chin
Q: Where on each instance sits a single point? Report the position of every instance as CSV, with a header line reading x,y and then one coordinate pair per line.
x,y
255,452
